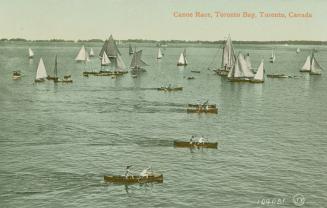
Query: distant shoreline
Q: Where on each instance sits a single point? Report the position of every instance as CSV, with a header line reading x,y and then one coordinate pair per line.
x,y
164,42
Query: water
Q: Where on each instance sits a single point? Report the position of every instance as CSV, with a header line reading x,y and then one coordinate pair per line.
x,y
57,141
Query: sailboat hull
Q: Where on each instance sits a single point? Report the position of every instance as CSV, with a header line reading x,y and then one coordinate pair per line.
x,y
180,64
303,70
315,73
256,81
39,80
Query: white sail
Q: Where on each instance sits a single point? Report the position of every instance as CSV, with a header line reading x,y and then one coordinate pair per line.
x,y
298,50
273,56
120,63
246,72
260,72
41,73
306,66
181,59
105,61
30,53
159,54
91,52
315,67
228,56
82,55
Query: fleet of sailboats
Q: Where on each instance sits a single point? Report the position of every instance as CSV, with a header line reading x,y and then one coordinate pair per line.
x,y
30,53
182,61
41,73
137,63
311,65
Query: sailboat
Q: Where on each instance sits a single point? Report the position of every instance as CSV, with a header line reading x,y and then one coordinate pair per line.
x,y
91,52
182,61
137,63
30,53
41,73
240,71
273,57
130,50
228,58
159,56
306,66
298,50
66,79
82,55
117,64
259,76
311,65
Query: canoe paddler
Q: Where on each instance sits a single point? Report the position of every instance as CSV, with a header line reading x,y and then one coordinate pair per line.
x,y
128,172
201,140
146,172
191,139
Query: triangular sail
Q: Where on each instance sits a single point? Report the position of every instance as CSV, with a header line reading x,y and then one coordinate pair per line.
x,y
130,50
41,73
105,60
30,53
315,67
120,63
247,73
240,69
159,54
181,59
113,53
307,64
260,72
298,50
82,55
91,52
137,61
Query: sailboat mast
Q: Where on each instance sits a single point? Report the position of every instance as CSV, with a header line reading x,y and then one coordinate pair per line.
x,y
55,68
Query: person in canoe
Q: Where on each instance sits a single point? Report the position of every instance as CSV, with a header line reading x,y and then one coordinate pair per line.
x,y
146,172
191,139
201,140
128,172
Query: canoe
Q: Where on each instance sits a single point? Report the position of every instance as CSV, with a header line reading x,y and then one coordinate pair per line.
x,y
190,77
194,71
278,76
198,105
182,144
170,89
158,178
202,110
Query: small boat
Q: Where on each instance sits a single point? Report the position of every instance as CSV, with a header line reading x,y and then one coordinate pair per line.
x,y
183,144
202,110
91,53
16,75
190,78
159,56
307,65
82,55
311,65
298,50
137,63
278,76
30,53
195,71
273,57
170,89
158,178
41,73
182,61
66,79
259,76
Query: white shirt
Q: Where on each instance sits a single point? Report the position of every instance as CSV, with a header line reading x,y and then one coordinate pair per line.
x,y
201,140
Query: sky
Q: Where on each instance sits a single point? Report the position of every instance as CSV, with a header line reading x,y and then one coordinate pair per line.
x,y
154,19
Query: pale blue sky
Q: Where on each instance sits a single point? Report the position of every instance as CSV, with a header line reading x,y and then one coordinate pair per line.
x,y
153,19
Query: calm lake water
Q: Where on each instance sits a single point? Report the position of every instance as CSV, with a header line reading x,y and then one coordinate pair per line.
x,y
58,141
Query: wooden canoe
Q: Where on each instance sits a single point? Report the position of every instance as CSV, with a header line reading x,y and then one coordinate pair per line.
x,y
202,110
194,144
169,89
134,179
278,76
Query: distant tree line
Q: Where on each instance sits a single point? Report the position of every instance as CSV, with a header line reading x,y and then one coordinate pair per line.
x,y
163,42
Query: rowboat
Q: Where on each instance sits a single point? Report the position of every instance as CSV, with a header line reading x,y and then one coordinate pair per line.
x,y
190,77
158,178
16,75
169,89
202,110
182,144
